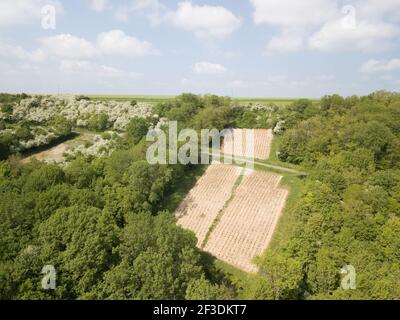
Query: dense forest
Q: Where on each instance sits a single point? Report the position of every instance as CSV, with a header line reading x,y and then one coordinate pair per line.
x,y
102,223
105,223
349,212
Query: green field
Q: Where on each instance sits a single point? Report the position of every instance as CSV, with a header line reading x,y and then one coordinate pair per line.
x,y
277,101
139,98
160,98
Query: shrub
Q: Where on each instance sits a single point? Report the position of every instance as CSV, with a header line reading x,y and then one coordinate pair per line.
x,y
137,129
7,108
98,122
85,98
61,126
23,133
106,136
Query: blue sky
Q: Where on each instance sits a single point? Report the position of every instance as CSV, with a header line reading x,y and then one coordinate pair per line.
x,y
263,48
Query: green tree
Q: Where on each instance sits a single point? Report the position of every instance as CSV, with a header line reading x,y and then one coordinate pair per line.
x,y
210,118
280,277
202,289
159,259
7,109
98,122
137,129
61,126
79,242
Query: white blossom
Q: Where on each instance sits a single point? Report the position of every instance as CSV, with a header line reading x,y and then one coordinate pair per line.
x,y
42,109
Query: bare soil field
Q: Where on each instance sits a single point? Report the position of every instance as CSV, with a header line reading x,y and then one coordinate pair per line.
x,y
248,222
239,143
206,199
57,153
233,217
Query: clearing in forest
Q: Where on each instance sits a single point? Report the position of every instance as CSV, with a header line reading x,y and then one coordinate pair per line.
x,y
239,143
233,216
207,198
249,220
56,153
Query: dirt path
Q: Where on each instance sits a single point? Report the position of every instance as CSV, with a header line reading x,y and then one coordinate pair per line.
x,y
56,153
266,165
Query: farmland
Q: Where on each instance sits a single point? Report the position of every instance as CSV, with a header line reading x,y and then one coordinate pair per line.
x,y
247,143
249,221
280,102
234,217
118,227
238,217
203,203
199,150
125,98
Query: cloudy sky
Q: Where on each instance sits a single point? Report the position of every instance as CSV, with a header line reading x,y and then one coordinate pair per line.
x,y
263,48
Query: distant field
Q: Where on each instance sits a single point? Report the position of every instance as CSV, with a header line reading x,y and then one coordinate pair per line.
x,y
277,101
150,99
156,99
280,102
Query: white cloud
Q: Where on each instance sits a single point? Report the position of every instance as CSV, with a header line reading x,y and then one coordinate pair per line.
x,y
99,5
373,66
14,12
293,13
326,25
68,46
365,36
94,69
17,52
116,42
204,20
378,9
287,41
208,68
153,10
